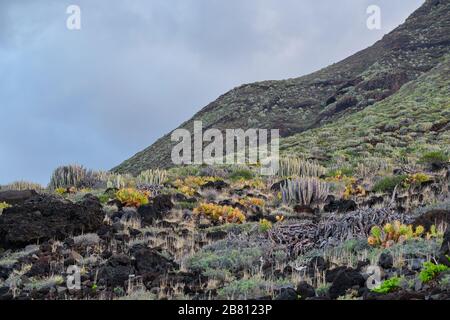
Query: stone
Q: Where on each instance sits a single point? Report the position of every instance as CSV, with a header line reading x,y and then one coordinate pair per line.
x,y
14,197
416,264
344,280
156,209
46,217
316,264
432,217
386,261
341,206
286,294
305,290
444,252
116,271
216,185
216,235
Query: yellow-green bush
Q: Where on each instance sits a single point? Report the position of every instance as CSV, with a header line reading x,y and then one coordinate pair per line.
x,y
265,225
132,198
392,233
223,214
251,201
3,205
190,185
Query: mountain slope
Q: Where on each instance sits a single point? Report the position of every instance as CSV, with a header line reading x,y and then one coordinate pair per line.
x,y
308,102
414,120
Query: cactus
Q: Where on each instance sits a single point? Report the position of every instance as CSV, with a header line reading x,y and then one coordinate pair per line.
x,y
304,191
73,176
120,181
300,168
152,177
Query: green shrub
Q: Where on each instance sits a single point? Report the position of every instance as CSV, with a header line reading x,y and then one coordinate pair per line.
x,y
389,285
264,225
233,260
187,205
246,289
104,198
241,174
388,184
3,205
340,172
180,172
434,157
430,271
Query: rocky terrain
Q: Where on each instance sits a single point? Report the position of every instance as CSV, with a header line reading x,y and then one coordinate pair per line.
x,y
228,233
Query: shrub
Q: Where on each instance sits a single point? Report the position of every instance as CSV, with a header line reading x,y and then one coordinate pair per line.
x,y
430,271
353,190
416,179
338,174
189,185
61,191
252,288
233,256
23,185
388,184
103,198
187,191
88,239
194,182
183,171
131,197
298,167
305,191
389,285
120,181
239,174
186,205
218,213
250,184
251,201
3,205
265,225
434,233
434,157
393,233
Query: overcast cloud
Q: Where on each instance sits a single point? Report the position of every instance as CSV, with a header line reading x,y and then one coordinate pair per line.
x,y
137,69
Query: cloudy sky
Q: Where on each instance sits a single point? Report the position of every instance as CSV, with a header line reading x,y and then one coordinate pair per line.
x,y
137,69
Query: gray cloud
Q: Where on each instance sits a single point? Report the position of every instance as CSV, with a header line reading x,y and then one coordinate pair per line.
x,y
138,69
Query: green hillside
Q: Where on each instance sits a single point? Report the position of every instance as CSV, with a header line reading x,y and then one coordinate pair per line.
x,y
414,120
